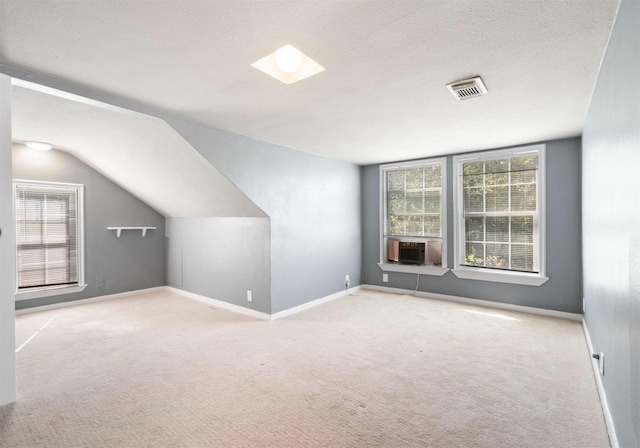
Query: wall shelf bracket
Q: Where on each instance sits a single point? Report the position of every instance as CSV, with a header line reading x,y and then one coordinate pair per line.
x,y
120,229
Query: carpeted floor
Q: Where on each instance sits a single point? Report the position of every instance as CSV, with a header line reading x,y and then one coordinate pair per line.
x,y
370,370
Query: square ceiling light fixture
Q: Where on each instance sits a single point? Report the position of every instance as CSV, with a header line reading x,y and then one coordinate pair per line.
x,y
288,65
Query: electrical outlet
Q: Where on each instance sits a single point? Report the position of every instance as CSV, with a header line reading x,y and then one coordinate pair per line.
x,y
584,305
385,278
100,282
347,282
601,363
249,296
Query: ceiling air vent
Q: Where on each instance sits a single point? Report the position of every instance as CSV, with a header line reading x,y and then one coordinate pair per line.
x,y
467,88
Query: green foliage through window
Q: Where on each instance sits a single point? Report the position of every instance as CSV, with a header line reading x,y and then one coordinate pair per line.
x,y
500,212
414,201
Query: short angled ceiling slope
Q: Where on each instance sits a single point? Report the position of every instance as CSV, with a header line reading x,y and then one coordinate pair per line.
x,y
382,96
142,154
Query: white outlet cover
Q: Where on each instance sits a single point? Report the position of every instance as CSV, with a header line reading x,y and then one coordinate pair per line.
x,y
249,296
601,363
385,278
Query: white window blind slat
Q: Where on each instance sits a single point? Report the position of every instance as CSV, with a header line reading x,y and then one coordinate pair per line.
x,y
500,213
47,235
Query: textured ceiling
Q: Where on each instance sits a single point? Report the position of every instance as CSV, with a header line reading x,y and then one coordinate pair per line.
x,y
382,96
142,154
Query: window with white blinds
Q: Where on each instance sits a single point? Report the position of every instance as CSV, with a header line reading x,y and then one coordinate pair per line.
x,y
499,204
48,234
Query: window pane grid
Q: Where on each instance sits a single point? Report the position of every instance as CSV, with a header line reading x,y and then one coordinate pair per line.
x,y
413,200
500,212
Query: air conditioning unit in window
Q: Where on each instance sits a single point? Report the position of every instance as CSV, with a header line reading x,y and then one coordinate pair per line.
x,y
406,252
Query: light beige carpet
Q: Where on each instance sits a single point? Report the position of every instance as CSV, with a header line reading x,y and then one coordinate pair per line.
x,y
371,370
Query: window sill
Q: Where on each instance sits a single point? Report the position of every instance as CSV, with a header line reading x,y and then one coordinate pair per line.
x,y
516,278
48,292
410,269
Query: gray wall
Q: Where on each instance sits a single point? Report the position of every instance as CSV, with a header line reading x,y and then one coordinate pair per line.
x,y
313,204
562,292
611,221
127,263
221,258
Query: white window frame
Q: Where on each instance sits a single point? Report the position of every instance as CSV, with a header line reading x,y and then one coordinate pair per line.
x,y
406,268
47,291
502,276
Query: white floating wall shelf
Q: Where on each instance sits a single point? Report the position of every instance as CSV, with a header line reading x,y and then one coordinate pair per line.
x,y
120,229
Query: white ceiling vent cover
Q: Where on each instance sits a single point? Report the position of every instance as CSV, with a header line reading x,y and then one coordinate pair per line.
x,y
467,88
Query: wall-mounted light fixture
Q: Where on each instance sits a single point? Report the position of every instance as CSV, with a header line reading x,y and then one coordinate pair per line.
x,y
39,146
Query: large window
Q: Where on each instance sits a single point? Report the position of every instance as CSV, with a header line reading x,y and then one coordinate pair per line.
x,y
413,209
499,214
48,237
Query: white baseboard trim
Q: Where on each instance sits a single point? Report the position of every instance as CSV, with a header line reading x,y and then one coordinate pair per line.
x,y
313,303
219,303
69,303
208,300
608,418
258,314
478,302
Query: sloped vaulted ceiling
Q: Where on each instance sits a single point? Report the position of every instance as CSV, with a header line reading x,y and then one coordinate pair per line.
x,y
142,154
